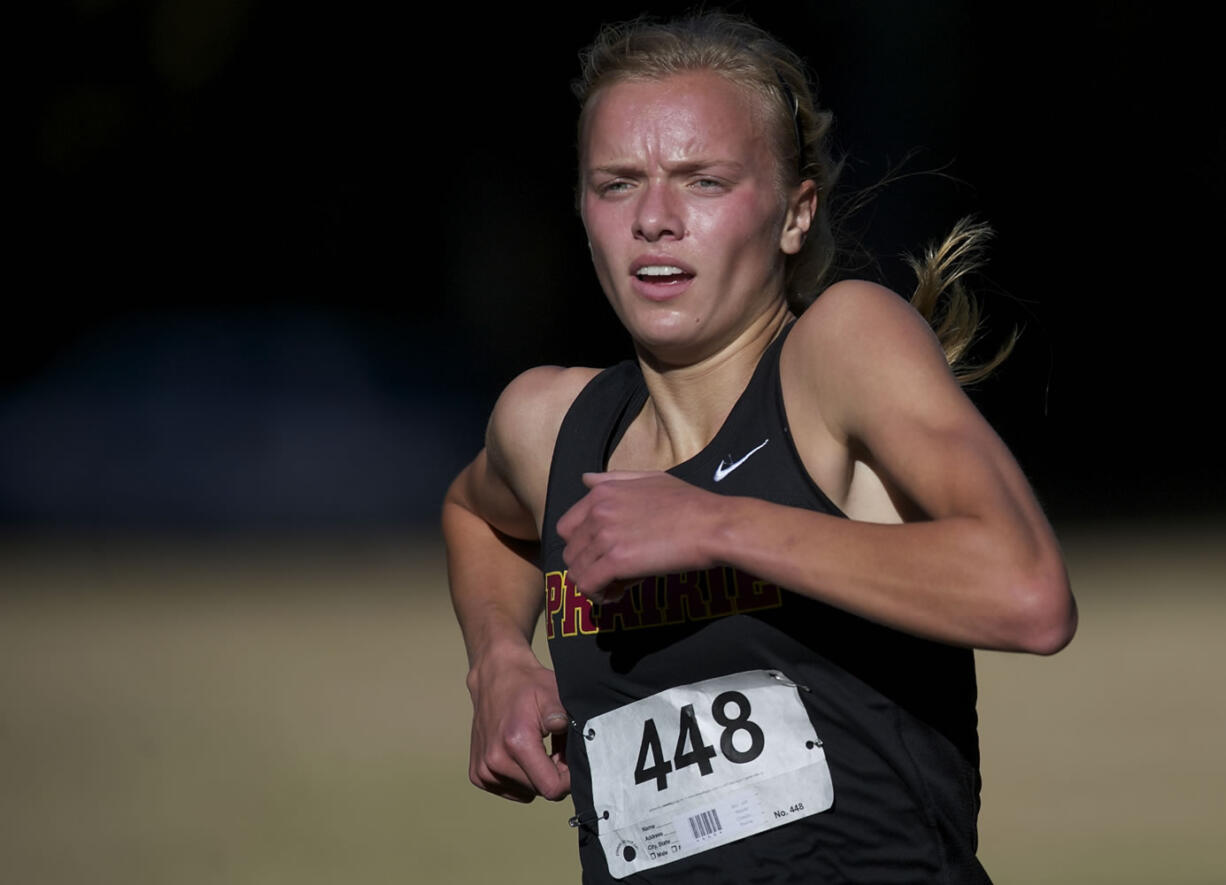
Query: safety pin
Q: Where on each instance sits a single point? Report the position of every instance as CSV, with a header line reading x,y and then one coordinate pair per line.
x,y
778,677
589,734
581,820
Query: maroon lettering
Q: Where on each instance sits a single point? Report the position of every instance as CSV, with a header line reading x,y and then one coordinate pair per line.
x,y
683,598
576,610
753,594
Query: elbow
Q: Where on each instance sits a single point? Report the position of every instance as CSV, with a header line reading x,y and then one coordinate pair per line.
x,y
1044,613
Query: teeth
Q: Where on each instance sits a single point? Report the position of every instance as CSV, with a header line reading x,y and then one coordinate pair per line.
x,y
659,270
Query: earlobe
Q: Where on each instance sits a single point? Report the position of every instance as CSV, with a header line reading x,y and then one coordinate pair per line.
x,y
802,207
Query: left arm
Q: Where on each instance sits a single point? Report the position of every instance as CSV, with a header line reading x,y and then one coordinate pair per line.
x,y
980,567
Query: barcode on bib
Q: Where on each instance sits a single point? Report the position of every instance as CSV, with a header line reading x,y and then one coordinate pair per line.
x,y
705,824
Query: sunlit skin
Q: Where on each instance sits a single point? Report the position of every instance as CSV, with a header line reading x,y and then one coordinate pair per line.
x,y
678,173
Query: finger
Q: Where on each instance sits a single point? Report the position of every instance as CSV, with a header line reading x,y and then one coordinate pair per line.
x,y
543,775
557,755
597,581
582,566
601,575
557,748
493,765
608,575
579,557
616,590
556,723
564,780
585,542
520,768
518,775
516,788
507,788
591,480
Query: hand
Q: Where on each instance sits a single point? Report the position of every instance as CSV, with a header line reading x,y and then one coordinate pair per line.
x,y
515,706
633,525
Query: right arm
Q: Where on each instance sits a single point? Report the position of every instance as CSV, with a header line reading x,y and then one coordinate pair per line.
x,y
491,523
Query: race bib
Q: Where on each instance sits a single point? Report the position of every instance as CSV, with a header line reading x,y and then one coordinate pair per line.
x,y
701,765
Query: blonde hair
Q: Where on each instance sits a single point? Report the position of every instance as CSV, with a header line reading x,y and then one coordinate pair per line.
x,y
736,48
941,297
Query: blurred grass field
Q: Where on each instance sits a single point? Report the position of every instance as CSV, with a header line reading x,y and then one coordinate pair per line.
x,y
257,712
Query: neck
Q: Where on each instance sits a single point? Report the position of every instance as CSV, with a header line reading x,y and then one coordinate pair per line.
x,y
688,404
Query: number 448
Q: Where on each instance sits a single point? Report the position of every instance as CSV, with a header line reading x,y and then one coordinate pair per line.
x,y
699,752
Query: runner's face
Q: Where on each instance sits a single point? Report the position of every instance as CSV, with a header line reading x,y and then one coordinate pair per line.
x,y
688,223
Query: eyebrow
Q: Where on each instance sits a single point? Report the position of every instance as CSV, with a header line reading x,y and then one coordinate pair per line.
x,y
616,170
684,167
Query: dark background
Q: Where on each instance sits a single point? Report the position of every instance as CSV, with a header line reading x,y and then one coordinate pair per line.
x,y
274,261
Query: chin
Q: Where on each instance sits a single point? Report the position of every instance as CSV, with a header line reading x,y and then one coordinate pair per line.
x,y
675,349
660,326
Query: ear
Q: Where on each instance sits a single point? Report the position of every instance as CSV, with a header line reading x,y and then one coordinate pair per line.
x,y
802,208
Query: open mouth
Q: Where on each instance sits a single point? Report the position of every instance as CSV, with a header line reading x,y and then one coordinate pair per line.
x,y
662,273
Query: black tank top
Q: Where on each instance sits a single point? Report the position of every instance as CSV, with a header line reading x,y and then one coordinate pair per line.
x,y
896,713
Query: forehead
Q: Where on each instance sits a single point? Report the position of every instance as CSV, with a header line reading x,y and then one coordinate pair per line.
x,y
689,113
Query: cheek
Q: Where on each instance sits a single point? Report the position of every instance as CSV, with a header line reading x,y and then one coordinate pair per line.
x,y
597,221
601,259
749,231
591,227
604,225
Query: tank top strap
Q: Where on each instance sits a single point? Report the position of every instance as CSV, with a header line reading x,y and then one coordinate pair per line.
x,y
594,424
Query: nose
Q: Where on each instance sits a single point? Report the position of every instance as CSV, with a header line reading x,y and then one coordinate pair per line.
x,y
657,215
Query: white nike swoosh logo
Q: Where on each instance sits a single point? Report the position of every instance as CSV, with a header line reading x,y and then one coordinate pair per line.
x,y
725,468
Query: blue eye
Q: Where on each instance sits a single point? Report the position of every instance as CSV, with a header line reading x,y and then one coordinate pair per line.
x,y
613,187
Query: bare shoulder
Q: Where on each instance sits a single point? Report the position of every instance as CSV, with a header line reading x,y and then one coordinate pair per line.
x,y
861,348
524,428
878,415
868,392
862,322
